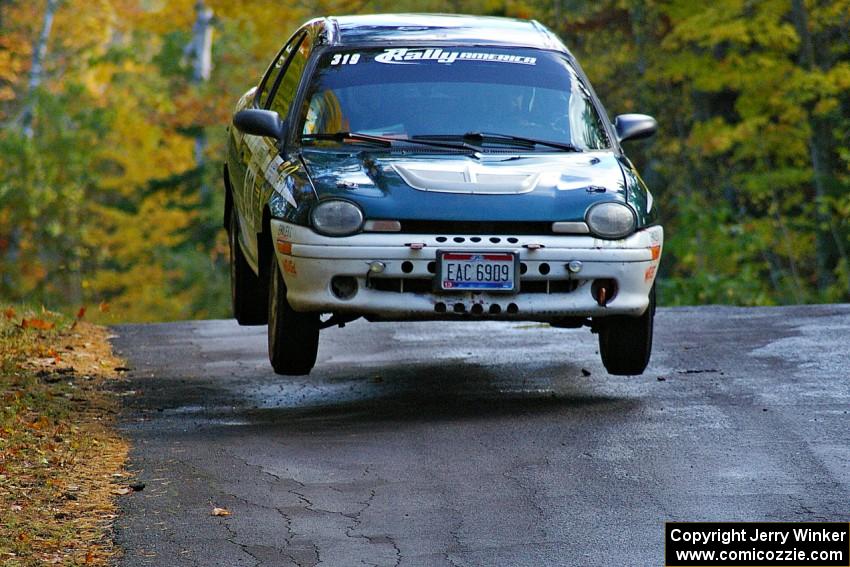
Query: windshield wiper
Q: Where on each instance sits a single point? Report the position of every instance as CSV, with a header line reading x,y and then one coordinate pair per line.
x,y
342,136
387,141
495,138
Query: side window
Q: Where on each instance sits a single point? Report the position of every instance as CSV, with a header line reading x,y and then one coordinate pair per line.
x,y
273,73
286,84
585,124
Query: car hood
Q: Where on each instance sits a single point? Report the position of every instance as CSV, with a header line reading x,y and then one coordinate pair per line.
x,y
480,187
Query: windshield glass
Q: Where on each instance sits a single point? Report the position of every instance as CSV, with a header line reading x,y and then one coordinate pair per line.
x,y
406,92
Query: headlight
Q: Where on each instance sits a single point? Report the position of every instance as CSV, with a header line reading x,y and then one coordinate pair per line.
x,y
611,220
335,217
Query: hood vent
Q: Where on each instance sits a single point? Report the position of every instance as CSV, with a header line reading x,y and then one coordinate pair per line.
x,y
469,178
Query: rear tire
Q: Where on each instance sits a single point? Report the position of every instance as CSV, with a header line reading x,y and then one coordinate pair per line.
x,y
248,292
625,343
293,336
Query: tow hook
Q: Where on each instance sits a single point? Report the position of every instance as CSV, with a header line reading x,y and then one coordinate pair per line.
x,y
604,291
602,297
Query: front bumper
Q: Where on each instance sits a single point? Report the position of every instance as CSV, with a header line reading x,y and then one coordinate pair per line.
x,y
548,290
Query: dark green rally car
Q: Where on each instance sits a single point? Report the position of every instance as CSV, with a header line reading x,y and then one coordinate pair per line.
x,y
424,167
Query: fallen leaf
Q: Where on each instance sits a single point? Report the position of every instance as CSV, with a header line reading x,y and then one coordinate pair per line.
x,y
9,313
90,557
39,324
81,313
216,511
103,307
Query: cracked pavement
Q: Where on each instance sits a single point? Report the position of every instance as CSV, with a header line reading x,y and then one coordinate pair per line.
x,y
479,444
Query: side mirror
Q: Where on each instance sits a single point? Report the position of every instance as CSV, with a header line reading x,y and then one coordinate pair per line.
x,y
634,126
260,123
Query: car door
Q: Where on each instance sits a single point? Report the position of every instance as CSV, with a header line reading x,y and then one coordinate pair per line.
x,y
271,166
257,153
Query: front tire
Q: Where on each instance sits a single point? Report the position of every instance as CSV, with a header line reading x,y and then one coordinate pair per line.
x,y
293,336
625,343
248,292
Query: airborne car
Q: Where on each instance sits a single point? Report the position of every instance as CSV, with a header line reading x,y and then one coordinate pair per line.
x,y
424,167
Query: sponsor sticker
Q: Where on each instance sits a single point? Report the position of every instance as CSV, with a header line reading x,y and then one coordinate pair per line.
x,y
408,56
289,268
284,233
285,188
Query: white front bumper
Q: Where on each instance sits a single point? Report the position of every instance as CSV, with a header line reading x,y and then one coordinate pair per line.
x,y
308,261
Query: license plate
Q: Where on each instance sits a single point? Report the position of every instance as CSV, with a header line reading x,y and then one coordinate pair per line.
x,y
477,271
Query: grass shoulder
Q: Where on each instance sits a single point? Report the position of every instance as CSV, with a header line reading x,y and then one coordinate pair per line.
x,y
61,461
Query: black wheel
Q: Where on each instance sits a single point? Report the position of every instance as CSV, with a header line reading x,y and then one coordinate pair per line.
x,y
625,343
293,336
248,292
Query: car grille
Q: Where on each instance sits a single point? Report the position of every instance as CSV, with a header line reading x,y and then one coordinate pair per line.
x,y
475,227
426,285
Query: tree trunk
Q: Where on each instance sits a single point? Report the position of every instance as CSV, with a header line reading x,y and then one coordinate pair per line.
x,y
200,48
37,69
821,153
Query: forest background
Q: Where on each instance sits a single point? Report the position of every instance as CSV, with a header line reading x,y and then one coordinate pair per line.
x,y
112,130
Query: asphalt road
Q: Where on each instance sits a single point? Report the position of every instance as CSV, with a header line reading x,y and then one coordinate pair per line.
x,y
430,444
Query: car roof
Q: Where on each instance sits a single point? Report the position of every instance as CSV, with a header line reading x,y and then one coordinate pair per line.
x,y
440,29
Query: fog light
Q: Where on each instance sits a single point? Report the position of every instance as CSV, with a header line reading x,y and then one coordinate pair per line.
x,y
574,266
344,287
377,267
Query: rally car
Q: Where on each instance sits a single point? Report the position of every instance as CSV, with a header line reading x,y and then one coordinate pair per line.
x,y
425,167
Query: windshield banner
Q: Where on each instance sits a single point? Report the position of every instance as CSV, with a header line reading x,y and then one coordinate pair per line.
x,y
407,56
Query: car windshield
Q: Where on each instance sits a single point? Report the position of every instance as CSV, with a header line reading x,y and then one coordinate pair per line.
x,y
422,92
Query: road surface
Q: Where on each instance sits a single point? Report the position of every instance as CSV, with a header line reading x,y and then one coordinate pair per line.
x,y
485,444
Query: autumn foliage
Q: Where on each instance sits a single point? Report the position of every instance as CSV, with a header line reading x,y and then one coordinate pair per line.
x,y
108,199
